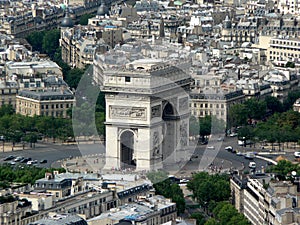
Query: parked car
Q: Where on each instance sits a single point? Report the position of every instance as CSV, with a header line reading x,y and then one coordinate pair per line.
x,y
18,159
43,161
211,147
9,158
25,160
32,162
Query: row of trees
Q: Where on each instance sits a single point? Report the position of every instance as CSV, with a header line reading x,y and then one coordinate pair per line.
x,y
24,174
279,128
213,193
17,128
167,188
253,109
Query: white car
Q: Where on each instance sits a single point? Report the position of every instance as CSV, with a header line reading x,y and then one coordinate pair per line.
x,y
32,162
233,135
211,147
229,148
297,154
252,165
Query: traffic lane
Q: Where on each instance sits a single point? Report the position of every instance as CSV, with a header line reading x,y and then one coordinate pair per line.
x,y
235,160
53,153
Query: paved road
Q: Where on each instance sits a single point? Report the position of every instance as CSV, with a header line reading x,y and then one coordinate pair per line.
x,y
55,152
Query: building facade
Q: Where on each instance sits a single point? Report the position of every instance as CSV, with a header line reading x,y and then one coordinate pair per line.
x,y
44,103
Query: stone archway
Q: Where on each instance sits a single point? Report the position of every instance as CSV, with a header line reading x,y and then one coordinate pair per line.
x,y
170,117
127,158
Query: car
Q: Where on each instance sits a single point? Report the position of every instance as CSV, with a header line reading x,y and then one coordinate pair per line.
x,y
183,181
297,154
249,155
18,159
252,165
211,147
12,163
9,158
32,162
229,148
43,161
233,135
239,153
25,160
240,143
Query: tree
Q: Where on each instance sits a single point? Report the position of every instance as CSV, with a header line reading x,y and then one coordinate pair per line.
x,y
51,42
200,219
6,110
284,168
163,186
237,115
290,100
85,18
35,39
205,126
73,77
255,109
211,221
207,188
290,64
273,104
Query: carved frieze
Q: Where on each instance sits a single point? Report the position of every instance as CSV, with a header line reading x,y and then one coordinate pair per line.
x,y
127,112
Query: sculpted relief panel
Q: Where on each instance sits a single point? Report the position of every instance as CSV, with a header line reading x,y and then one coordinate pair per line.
x,y
183,103
126,112
156,111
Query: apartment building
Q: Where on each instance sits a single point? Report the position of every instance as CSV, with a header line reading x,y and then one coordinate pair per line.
x,y
32,68
215,104
8,92
51,102
288,7
12,211
80,43
283,49
266,201
154,210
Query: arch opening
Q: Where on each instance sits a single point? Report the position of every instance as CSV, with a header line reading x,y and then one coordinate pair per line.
x,y
127,150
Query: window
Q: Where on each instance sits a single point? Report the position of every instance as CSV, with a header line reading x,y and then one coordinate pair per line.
x,y
127,79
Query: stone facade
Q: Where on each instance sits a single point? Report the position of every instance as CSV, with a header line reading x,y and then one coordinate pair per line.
x,y
147,114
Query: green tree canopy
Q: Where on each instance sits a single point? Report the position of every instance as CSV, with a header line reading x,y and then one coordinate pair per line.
x,y
51,42
85,18
207,188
